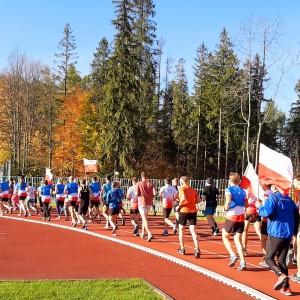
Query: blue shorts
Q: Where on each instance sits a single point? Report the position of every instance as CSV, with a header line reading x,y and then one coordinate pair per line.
x,y
210,210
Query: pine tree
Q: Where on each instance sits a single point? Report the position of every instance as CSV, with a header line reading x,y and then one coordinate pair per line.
x,y
66,57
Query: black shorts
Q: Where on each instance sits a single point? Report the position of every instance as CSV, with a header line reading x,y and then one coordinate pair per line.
x,y
73,203
113,211
134,211
233,227
94,203
253,218
184,217
83,208
4,199
166,212
264,227
22,198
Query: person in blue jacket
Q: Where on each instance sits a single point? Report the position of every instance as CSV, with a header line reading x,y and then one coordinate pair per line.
x,y
282,225
114,198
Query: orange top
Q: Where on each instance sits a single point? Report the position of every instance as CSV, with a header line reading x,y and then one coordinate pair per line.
x,y
189,195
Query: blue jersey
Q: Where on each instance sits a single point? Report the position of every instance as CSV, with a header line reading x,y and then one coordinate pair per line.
x,y
46,190
21,187
4,186
72,188
238,196
95,187
114,198
60,188
107,189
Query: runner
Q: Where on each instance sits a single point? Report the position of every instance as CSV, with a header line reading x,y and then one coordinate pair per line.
x,y
71,190
175,184
95,200
211,195
121,209
4,196
283,224
166,194
235,202
39,194
103,195
84,194
46,191
114,198
296,277
264,226
20,190
146,193
30,199
60,197
134,209
187,208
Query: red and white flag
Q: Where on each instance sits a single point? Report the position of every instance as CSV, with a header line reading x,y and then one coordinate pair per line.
x,y
90,166
254,190
275,168
49,176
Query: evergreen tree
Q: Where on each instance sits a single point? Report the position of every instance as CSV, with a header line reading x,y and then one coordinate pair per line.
x,y
181,121
66,57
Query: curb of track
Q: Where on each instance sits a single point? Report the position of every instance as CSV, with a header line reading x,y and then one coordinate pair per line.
x,y
232,283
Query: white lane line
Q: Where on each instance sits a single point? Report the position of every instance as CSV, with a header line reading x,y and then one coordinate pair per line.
x,y
232,283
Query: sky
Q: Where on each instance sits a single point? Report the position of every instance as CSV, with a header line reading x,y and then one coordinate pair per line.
x,y
35,27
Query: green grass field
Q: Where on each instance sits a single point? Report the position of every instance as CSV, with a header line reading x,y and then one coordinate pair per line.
x,y
78,289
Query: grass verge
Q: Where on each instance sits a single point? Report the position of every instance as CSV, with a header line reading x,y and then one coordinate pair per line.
x,y
130,289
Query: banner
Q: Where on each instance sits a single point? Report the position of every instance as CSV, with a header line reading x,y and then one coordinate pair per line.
x,y
251,183
275,168
90,166
48,176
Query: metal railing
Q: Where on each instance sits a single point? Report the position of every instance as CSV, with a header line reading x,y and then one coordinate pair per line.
x,y
198,185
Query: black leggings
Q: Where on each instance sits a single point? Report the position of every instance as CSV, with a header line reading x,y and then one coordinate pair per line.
x,y
46,210
278,247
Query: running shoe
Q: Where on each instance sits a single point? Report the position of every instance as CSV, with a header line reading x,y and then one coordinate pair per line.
x,y
245,252
99,220
232,261
242,266
174,229
136,229
114,230
123,221
150,237
49,218
142,235
286,291
295,278
84,225
217,230
294,262
215,233
106,226
280,282
264,264
165,232
181,251
74,224
197,253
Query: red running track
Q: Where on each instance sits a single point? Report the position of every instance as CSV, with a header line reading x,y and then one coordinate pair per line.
x,y
73,255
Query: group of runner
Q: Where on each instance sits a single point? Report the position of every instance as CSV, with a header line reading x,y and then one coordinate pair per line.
x,y
275,215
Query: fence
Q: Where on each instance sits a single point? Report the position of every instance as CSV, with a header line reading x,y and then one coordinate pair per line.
x,y
158,183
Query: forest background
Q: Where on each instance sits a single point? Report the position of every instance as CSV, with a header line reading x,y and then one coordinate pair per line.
x,y
132,112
